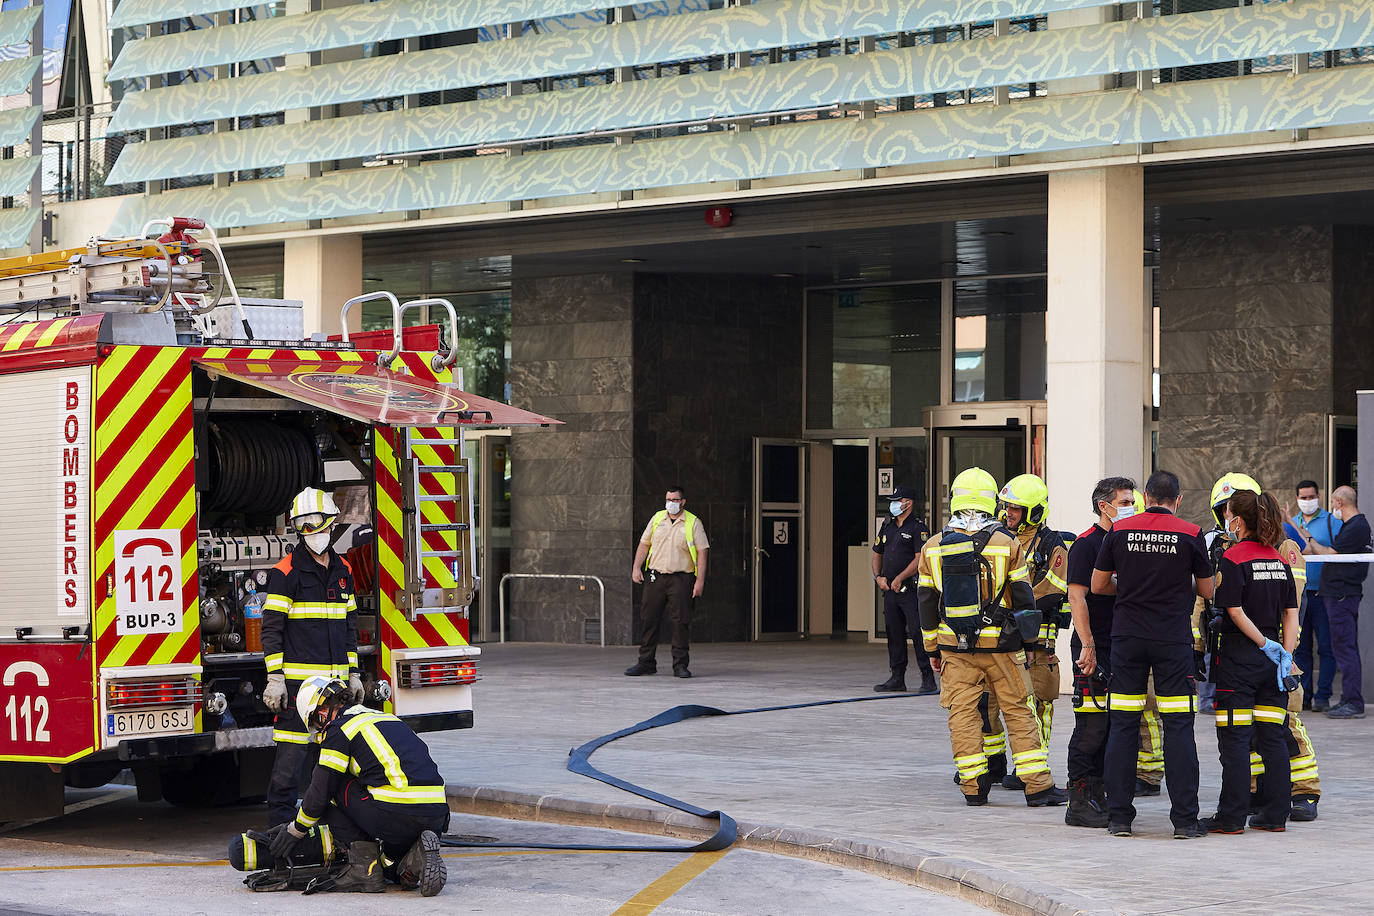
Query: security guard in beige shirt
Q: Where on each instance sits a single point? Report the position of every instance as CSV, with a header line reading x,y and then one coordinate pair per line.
x,y
671,564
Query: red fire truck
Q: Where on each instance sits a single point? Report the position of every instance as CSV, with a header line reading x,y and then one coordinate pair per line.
x,y
150,444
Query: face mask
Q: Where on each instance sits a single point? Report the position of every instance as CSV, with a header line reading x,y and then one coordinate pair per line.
x,y
895,507
673,507
318,543
1308,506
1232,531
1123,513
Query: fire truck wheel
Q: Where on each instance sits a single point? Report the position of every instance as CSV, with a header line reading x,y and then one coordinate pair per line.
x,y
205,782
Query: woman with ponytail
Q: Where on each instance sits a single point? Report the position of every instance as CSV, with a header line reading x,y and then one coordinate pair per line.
x,y
1258,633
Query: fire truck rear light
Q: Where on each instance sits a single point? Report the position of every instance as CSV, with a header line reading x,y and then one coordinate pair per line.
x,y
448,673
160,692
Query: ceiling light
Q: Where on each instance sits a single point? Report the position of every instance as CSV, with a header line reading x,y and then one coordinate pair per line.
x,y
784,276
631,260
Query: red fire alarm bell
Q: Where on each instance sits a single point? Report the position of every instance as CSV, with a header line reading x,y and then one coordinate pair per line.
x,y
719,217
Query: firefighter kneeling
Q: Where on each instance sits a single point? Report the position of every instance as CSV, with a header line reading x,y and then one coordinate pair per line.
x,y
977,608
375,783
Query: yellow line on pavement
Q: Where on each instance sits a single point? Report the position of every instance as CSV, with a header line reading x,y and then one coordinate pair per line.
x,y
657,893
220,862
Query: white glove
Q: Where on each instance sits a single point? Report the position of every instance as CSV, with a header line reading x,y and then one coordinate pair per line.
x,y
355,687
274,697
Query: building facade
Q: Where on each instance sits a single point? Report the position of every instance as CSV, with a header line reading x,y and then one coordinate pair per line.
x,y
788,253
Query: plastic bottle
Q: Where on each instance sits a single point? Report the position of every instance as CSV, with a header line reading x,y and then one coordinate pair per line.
x,y
252,620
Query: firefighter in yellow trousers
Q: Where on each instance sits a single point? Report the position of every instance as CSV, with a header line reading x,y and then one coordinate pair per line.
x,y
1023,510
977,610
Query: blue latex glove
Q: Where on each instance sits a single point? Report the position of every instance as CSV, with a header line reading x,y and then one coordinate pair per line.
x,y
1274,651
1285,666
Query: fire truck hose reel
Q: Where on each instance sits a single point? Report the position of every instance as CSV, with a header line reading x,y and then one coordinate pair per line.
x,y
579,761
256,467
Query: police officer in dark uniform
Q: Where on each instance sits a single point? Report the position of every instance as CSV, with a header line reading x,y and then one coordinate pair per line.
x,y
896,556
1153,563
1091,645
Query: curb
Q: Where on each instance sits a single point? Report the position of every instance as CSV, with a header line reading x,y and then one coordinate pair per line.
x,y
984,885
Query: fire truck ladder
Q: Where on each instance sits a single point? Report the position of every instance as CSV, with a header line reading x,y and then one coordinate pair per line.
x,y
447,486
121,275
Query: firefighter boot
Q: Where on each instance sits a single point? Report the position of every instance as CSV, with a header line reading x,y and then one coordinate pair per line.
x,y
976,801
997,767
422,867
1304,808
364,871
894,684
1083,810
928,685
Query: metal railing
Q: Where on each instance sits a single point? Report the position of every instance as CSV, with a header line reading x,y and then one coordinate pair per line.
x,y
501,595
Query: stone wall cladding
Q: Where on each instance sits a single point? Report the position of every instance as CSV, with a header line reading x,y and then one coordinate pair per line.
x,y
1246,361
717,361
571,351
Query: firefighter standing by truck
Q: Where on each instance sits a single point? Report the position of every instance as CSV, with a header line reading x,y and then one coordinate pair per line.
x,y
1024,505
309,627
977,610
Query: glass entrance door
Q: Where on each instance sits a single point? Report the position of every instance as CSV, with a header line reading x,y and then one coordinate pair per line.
x,y
1002,452
779,538
493,545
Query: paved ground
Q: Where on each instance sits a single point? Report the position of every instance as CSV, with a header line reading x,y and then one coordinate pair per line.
x,y
119,856
882,770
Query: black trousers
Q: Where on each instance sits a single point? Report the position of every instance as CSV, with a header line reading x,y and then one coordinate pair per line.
x,y
356,815
1088,743
291,769
1251,711
902,618
1133,660
666,595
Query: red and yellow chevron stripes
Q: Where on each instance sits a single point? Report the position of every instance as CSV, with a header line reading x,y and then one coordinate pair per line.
x,y
144,479
427,629
38,344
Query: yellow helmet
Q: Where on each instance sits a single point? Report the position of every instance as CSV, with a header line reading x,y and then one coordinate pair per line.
x,y
1224,488
975,489
1030,493
1139,501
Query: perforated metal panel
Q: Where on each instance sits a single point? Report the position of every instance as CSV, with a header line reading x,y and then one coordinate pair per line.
x,y
45,473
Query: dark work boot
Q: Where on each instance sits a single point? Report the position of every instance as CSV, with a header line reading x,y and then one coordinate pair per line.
x,y
1012,781
976,801
928,685
894,684
639,669
1047,797
1145,789
1304,808
422,867
1098,787
997,767
1083,810
364,871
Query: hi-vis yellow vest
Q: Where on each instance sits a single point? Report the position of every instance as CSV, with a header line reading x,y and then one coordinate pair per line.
x,y
690,521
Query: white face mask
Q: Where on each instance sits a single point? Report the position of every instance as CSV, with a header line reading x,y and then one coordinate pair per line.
x,y
318,543
673,506
1123,513
895,507
1308,506
1232,530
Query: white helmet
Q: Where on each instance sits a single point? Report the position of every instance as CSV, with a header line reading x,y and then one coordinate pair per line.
x,y
313,511
314,692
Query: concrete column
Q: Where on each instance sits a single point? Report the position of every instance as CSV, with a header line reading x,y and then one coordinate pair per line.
x,y
324,271
1097,335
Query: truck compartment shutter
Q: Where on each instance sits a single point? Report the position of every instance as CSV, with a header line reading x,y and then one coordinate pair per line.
x,y
45,472
373,395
